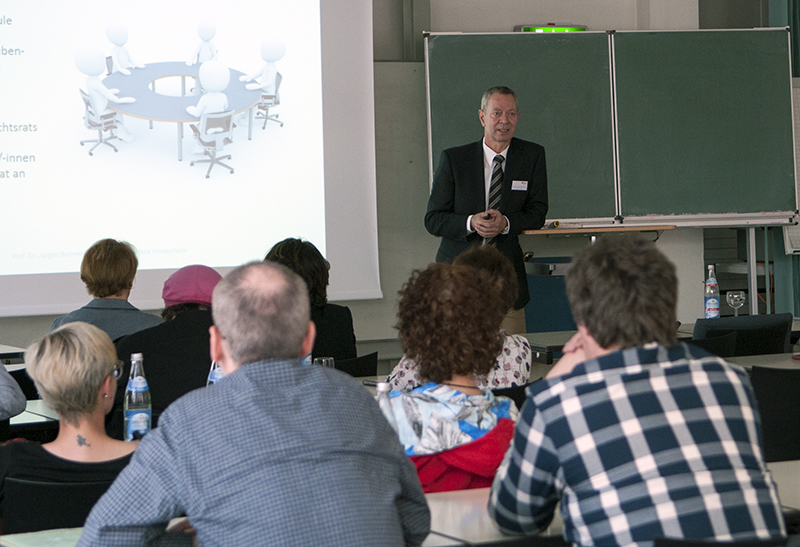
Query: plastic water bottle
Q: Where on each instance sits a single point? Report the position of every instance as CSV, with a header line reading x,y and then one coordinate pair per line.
x,y
215,374
383,389
138,410
712,294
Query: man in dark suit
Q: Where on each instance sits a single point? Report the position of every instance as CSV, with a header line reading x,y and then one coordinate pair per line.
x,y
466,209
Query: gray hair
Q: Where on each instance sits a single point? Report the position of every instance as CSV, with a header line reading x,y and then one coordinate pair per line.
x,y
261,309
502,90
68,367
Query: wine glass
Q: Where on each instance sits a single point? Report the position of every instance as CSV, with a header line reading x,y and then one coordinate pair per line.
x,y
735,300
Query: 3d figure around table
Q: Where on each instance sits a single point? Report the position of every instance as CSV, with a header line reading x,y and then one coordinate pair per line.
x,y
205,50
271,51
121,58
91,62
214,77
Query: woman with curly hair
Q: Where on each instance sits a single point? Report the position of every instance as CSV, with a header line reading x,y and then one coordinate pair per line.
x,y
512,366
446,324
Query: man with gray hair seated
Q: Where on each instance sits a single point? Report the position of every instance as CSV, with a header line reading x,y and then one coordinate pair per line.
x,y
274,453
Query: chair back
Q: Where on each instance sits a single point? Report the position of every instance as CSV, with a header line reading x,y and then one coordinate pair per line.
x,y
366,365
722,346
777,393
216,129
91,121
5,430
755,334
672,542
30,506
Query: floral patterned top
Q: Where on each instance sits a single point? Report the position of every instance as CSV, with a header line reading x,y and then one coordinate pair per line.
x,y
437,417
512,368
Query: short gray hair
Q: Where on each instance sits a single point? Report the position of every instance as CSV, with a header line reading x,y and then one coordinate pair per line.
x,y
68,367
261,309
502,90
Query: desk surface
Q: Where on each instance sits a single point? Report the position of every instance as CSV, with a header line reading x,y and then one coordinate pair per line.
x,y
36,412
167,108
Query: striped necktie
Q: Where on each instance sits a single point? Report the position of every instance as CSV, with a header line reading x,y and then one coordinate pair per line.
x,y
495,190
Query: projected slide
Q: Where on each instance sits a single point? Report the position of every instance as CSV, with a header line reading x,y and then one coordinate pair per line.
x,y
97,104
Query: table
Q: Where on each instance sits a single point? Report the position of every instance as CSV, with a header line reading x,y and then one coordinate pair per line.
x,y
152,106
777,360
12,353
37,422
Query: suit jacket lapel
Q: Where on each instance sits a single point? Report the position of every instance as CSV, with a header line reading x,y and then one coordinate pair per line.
x,y
478,183
512,162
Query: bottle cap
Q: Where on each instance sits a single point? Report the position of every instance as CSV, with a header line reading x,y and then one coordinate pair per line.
x,y
136,357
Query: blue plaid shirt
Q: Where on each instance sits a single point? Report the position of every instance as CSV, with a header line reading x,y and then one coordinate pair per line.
x,y
273,454
640,443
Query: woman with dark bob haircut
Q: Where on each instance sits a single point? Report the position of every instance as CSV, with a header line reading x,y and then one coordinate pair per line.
x,y
335,335
445,323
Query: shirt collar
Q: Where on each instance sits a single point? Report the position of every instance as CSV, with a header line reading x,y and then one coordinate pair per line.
x,y
489,154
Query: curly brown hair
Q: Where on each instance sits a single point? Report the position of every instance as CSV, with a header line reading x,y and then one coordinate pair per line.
x,y
448,323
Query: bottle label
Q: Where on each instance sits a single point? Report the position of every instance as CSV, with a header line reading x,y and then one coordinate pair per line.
x,y
712,307
138,423
137,384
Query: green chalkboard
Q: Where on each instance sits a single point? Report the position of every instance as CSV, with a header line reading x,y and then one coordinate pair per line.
x,y
562,82
705,122
701,120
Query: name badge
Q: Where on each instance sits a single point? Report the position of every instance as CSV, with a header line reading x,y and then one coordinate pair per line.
x,y
520,185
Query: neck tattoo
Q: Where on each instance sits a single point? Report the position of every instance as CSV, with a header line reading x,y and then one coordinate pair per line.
x,y
82,441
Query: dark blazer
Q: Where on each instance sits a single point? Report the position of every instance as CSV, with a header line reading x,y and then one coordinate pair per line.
x,y
176,361
459,190
335,335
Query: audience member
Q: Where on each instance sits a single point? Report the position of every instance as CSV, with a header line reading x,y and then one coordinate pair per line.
x,y
274,453
75,370
444,322
512,365
12,400
335,335
637,436
176,358
108,269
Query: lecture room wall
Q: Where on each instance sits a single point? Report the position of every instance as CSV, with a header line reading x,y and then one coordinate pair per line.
x,y
401,148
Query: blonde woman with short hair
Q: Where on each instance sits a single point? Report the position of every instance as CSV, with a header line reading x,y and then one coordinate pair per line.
x,y
75,369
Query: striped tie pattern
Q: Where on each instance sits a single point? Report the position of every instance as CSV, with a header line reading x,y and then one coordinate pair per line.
x,y
496,186
495,189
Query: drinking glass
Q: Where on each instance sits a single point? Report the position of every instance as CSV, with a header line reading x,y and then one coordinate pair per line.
x,y
324,361
735,300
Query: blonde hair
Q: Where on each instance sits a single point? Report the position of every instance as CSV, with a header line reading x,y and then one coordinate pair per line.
x,y
68,367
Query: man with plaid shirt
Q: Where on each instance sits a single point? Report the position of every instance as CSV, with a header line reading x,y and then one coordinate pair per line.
x,y
637,436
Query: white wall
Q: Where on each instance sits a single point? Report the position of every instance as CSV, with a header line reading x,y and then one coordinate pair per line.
x,y
502,15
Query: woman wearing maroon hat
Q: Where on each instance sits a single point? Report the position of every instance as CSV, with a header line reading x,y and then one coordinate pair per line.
x,y
176,358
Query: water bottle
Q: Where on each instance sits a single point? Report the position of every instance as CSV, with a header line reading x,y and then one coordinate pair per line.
x,y
383,389
712,294
215,374
138,410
